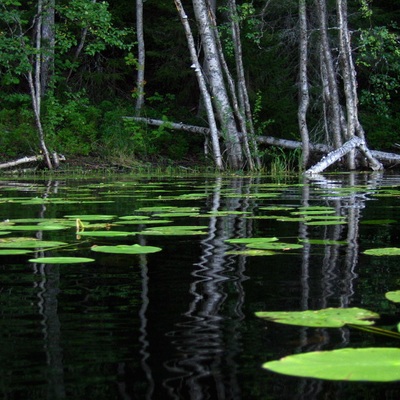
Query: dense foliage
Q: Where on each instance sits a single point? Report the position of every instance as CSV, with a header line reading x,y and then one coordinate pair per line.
x,y
92,69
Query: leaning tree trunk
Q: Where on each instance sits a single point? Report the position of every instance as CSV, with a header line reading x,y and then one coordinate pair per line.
x,y
203,86
217,85
235,99
244,102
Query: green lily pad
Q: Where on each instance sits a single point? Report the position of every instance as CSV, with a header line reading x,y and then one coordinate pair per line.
x,y
50,227
276,208
134,217
61,260
252,240
144,222
313,212
23,243
386,251
12,252
90,217
274,246
317,208
327,222
176,215
251,252
393,296
175,230
325,242
325,318
126,249
106,233
368,364
291,219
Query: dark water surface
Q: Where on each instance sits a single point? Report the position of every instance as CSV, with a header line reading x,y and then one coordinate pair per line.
x,y
180,324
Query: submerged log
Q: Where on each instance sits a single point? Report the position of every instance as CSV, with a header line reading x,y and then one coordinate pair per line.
x,y
387,159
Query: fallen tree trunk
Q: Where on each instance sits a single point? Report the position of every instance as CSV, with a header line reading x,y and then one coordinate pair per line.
x,y
337,154
387,159
24,160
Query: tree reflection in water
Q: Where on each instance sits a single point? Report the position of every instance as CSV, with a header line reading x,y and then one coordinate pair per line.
x,y
209,340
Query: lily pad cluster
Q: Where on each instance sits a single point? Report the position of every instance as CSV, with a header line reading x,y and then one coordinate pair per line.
x,y
373,364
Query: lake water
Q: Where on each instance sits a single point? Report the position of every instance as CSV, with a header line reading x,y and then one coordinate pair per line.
x,y
180,323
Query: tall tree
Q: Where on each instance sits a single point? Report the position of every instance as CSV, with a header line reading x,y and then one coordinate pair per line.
x,y
140,82
304,97
203,86
36,79
217,85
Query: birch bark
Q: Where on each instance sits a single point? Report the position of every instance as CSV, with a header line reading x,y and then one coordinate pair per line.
x,y
140,82
331,91
203,86
35,83
217,85
304,97
349,90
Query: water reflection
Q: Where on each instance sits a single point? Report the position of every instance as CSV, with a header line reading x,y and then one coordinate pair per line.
x,y
209,340
102,332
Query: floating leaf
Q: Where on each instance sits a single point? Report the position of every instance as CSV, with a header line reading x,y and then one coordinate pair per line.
x,y
317,208
21,243
393,296
90,217
326,222
106,233
368,364
274,246
50,227
175,230
291,219
126,249
144,222
313,212
276,208
134,217
61,260
176,214
252,240
12,252
326,318
325,242
387,251
251,252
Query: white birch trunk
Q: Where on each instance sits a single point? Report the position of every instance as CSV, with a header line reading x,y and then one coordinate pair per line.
x,y
35,84
244,102
217,85
47,44
345,56
203,86
140,82
331,92
349,146
304,97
